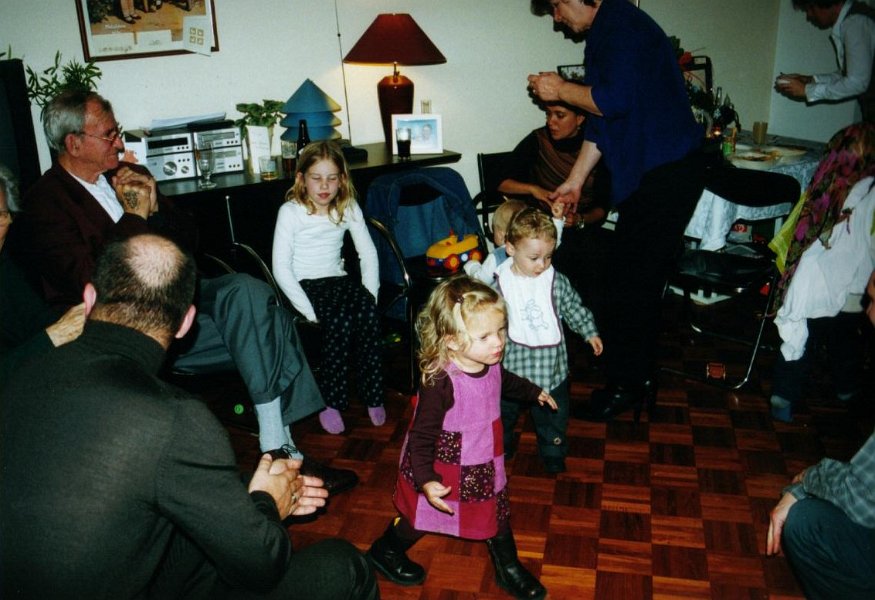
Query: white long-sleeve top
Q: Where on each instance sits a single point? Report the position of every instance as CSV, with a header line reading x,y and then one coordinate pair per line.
x,y
309,247
825,277
854,40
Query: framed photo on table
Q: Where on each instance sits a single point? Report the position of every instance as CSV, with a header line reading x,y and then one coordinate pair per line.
x,y
426,136
175,27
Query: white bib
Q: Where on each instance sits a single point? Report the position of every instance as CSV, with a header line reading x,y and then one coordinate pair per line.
x,y
531,315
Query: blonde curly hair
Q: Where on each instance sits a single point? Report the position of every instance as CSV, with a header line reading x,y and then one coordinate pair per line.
x,y
443,319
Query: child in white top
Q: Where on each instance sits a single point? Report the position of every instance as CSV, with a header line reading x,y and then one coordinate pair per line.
x,y
308,267
485,271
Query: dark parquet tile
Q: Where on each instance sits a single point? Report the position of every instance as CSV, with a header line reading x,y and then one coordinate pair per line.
x,y
675,506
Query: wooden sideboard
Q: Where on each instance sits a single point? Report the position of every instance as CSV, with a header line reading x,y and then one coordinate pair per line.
x,y
254,203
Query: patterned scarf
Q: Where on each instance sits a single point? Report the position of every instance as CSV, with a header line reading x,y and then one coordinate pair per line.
x,y
848,158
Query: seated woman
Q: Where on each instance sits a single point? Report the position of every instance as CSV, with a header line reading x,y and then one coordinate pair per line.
x,y
538,165
543,159
829,261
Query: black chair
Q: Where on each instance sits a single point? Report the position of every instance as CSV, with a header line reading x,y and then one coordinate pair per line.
x,y
749,273
491,169
715,277
398,295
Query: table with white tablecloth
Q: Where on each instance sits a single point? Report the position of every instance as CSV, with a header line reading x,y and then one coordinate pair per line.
x,y
714,216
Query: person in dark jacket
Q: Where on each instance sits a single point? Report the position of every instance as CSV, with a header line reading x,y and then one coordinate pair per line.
x,y
119,485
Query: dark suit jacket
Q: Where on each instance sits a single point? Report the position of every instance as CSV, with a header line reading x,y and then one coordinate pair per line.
x,y
62,230
104,466
24,315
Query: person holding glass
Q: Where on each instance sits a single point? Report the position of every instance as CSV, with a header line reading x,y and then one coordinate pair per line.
x,y
641,127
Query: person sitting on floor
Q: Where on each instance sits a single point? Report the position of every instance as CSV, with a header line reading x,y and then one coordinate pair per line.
x,y
142,497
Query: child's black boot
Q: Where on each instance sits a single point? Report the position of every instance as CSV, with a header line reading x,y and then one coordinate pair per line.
x,y
509,571
389,555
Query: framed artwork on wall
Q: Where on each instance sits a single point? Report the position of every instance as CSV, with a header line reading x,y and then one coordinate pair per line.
x,y
426,136
119,29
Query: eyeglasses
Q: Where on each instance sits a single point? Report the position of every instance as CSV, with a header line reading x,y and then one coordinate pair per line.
x,y
116,134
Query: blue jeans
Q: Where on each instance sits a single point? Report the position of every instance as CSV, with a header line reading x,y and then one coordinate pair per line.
x,y
832,556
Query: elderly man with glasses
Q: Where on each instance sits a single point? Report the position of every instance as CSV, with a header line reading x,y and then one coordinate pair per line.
x,y
89,197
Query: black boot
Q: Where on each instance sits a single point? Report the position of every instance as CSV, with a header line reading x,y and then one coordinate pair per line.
x,y
608,402
509,571
388,554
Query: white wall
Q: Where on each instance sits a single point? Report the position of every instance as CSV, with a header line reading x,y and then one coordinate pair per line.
x,y
268,47
738,36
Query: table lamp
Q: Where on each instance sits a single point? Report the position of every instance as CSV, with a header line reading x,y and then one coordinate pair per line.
x,y
316,107
394,39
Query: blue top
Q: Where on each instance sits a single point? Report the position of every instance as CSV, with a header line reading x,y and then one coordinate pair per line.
x,y
638,86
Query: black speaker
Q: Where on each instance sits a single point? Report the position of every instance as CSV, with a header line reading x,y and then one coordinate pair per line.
x,y
17,140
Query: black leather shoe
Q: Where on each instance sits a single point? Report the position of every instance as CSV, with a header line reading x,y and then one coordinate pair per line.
x,y
510,574
334,480
388,554
607,403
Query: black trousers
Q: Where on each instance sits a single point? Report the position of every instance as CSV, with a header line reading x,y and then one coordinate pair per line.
x,y
331,569
842,341
646,243
347,313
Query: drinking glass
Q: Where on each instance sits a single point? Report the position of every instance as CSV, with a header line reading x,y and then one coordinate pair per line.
x,y
402,136
206,164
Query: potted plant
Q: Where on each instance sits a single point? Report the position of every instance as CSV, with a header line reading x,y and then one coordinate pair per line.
x,y
257,126
43,87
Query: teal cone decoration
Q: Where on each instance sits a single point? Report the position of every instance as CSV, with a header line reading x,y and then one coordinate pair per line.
x,y
313,105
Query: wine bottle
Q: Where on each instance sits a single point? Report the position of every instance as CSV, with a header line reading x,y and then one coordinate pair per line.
x,y
303,137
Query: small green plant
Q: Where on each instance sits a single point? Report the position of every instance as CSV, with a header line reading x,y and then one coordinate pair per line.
x,y
267,114
43,87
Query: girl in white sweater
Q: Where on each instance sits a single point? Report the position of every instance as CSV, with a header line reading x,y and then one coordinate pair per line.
x,y
308,266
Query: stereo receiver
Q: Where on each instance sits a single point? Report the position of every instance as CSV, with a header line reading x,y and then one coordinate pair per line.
x,y
170,153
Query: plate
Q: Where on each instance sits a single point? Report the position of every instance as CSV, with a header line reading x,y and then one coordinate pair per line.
x,y
753,159
788,154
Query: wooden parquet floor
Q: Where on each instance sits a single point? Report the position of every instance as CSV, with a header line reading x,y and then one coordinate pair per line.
x,y
673,507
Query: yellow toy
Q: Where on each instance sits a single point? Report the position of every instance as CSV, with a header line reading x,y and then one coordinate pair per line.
x,y
449,254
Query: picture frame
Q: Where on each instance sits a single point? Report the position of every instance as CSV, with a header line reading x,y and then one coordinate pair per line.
x,y
426,135
176,27
571,72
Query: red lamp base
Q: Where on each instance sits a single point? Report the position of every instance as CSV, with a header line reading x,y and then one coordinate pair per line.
x,y
395,95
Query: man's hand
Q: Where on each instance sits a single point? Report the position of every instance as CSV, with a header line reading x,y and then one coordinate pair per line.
x,y
776,523
68,327
792,85
546,86
434,491
293,493
568,194
136,192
